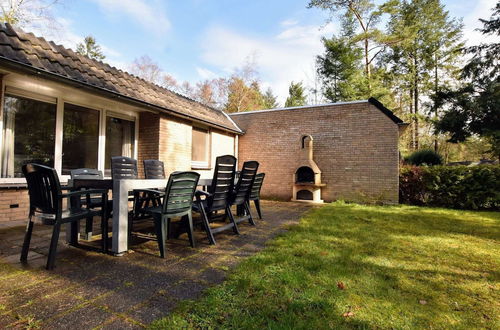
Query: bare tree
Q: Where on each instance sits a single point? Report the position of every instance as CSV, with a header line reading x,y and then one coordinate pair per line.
x,y
170,82
29,13
147,69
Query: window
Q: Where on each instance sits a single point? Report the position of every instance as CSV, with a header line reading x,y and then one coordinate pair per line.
x,y
200,148
80,138
28,134
120,137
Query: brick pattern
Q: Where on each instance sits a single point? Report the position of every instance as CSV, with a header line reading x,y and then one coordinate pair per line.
x,y
13,196
175,144
355,147
149,135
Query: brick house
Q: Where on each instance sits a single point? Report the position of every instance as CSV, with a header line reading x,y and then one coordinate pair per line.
x,y
355,150
68,111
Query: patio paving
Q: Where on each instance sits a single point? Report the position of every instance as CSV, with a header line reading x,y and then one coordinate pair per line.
x,y
91,290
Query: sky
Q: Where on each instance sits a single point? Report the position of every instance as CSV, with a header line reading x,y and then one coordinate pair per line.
x,y
195,40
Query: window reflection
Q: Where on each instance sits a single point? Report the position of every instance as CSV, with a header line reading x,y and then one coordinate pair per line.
x,y
28,134
80,138
120,137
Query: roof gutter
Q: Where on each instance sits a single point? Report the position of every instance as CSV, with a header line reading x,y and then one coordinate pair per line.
x,y
75,83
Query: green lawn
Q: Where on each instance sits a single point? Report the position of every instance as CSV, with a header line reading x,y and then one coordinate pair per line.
x,y
352,266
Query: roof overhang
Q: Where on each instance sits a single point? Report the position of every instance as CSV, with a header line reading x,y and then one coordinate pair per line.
x,y
22,67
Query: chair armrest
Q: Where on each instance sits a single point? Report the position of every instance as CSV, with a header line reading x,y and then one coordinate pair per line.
x,y
149,191
84,192
202,193
199,193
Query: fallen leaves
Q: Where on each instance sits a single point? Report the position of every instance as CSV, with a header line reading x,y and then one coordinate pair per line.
x,y
348,314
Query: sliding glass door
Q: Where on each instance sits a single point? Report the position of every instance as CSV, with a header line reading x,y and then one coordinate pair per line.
x,y
120,137
80,138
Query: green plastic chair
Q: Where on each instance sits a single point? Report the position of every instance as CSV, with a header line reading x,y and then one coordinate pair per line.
x,y
177,202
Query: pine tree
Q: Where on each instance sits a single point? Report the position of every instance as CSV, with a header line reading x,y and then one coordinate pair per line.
x,y
269,99
296,96
474,109
90,48
340,68
367,16
428,44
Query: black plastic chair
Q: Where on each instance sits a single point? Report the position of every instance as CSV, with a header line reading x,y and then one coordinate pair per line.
x,y
95,200
126,168
255,192
123,168
46,203
217,198
242,191
154,169
177,202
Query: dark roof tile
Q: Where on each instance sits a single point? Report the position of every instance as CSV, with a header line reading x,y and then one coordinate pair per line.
x,y
26,48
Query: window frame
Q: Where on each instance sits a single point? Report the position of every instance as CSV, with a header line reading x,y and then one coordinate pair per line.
x,y
65,102
199,165
16,92
60,101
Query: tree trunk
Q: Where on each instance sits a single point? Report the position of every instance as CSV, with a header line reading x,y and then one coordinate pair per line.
x,y
435,101
367,67
412,142
415,109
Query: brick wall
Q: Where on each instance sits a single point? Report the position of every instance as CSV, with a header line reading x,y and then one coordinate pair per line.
x,y
149,135
355,147
175,144
13,196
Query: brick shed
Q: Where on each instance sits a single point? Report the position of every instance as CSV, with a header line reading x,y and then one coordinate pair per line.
x,y
355,148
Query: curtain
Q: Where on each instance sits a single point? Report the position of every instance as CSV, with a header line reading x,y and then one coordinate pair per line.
x,y
127,139
9,123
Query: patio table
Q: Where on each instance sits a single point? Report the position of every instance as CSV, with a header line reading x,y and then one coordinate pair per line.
x,y
120,189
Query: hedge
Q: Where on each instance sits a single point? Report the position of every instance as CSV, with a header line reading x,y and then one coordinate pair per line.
x,y
458,187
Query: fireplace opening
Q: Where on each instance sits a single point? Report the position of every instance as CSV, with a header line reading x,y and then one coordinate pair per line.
x,y
304,175
304,195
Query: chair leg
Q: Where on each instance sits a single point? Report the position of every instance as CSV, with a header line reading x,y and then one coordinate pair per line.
x,y
257,206
104,233
53,246
130,220
246,205
190,230
169,231
161,231
27,240
88,228
206,224
231,218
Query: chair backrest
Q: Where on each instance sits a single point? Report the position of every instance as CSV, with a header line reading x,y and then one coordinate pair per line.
x,y
257,185
123,168
44,188
222,183
154,169
245,182
86,173
179,192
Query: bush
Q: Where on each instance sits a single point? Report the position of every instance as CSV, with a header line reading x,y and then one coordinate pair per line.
x,y
459,187
424,157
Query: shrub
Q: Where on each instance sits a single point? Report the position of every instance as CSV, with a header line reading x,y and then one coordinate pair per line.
x,y
460,187
424,157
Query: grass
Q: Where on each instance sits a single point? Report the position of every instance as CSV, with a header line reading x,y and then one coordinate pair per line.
x,y
352,266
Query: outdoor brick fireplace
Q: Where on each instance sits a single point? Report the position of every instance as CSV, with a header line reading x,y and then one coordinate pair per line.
x,y
307,178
